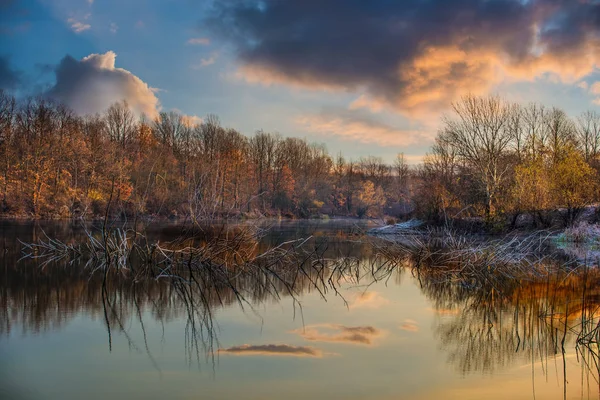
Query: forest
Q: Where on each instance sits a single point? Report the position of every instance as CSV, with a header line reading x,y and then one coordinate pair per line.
x,y
493,161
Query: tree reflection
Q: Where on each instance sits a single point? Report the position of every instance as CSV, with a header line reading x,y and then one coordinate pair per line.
x,y
506,302
184,285
533,322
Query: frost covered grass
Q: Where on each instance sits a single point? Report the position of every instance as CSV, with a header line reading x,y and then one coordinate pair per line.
x,y
582,232
448,256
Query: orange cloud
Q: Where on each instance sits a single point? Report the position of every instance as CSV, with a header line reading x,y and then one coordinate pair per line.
x,y
439,75
273,350
260,74
568,65
332,333
364,131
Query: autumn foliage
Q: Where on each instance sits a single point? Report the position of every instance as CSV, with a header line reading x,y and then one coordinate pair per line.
x,y
496,159
57,164
492,160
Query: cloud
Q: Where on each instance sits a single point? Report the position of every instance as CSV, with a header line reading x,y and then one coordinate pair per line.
x,y
352,126
369,300
78,25
192,120
9,77
332,333
113,27
273,350
593,90
92,84
411,56
188,120
258,74
199,41
583,85
206,61
410,325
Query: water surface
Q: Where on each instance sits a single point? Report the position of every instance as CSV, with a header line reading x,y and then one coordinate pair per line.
x,y
63,335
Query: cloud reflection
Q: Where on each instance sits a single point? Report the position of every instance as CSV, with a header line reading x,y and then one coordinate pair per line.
x,y
333,333
369,300
273,350
410,325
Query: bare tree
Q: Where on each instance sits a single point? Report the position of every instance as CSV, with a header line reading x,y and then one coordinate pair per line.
x,y
588,134
560,133
262,154
481,134
533,129
120,123
169,127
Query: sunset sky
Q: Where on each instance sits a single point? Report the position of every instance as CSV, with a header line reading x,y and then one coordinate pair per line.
x,y
363,77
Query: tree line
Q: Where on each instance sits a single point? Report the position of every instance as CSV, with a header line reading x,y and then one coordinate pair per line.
x,y
499,160
492,159
58,164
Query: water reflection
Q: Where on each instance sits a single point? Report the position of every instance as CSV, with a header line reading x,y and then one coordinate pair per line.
x,y
38,296
533,320
536,323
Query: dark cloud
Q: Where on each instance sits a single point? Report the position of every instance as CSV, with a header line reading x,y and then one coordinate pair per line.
x,y
408,54
273,350
43,68
9,78
92,84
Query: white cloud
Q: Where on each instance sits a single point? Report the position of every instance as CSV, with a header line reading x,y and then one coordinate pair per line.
x,y
92,84
192,120
189,120
79,26
113,27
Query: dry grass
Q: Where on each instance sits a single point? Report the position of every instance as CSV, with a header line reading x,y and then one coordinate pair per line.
x,y
471,261
583,232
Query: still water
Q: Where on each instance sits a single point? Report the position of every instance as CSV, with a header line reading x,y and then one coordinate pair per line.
x,y
64,336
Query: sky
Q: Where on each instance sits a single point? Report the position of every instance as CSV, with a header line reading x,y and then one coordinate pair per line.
x,y
363,77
